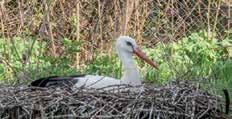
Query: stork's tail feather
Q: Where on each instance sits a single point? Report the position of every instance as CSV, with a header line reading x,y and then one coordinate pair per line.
x,y
227,103
41,82
56,81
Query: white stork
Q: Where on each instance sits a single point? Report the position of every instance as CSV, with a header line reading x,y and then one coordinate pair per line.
x,y
126,47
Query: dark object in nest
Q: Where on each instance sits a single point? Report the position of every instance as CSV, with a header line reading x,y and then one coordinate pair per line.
x,y
227,98
56,81
168,102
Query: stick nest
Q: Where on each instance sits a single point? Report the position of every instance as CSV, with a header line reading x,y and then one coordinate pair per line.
x,y
167,102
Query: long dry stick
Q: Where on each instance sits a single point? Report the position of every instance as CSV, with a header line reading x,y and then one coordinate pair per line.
x,y
230,20
216,17
208,19
127,11
21,13
77,58
2,18
47,13
100,8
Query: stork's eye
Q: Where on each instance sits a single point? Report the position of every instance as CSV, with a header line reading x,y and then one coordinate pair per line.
x,y
129,43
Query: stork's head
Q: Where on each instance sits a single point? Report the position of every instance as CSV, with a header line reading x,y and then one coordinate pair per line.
x,y
125,43
128,44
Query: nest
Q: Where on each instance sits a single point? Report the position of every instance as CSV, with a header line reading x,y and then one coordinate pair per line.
x,y
167,102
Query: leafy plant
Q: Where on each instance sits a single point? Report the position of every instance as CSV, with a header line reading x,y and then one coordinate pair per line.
x,y
195,54
105,65
25,59
18,55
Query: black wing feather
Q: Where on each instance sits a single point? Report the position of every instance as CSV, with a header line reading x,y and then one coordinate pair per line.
x,y
56,81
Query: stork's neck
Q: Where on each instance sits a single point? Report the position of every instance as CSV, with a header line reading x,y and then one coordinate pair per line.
x,y
126,59
130,73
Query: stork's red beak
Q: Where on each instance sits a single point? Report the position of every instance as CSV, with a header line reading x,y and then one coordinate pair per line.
x,y
142,55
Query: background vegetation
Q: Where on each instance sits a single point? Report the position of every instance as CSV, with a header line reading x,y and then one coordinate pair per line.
x,y
190,40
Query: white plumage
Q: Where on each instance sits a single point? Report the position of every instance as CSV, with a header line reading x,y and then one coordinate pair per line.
x,y
125,47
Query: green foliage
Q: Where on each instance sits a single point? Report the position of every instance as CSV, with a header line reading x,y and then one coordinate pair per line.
x,y
37,64
222,73
201,52
195,55
105,65
62,65
11,54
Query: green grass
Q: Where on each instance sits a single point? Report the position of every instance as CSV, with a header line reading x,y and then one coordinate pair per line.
x,y
193,56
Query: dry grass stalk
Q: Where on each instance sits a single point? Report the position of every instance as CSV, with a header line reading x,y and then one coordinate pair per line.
x,y
77,62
